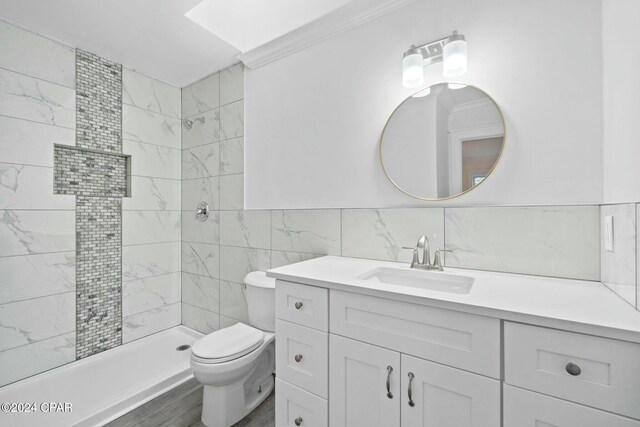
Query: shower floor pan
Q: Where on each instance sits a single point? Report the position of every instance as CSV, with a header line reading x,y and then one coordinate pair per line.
x,y
103,387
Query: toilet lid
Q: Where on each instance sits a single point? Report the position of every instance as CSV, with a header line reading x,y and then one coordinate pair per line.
x,y
259,279
228,343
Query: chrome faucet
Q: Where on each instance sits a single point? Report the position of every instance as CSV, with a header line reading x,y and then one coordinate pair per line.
x,y
425,264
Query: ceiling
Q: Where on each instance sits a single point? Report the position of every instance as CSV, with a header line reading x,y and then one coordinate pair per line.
x,y
247,24
156,38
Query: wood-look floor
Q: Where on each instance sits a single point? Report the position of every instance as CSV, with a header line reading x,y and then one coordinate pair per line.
x,y
182,407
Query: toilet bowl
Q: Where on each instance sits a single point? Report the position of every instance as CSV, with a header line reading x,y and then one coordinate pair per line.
x,y
236,364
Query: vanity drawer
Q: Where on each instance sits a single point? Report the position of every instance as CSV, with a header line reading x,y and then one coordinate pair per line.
x,y
296,407
594,371
452,338
302,357
527,408
302,304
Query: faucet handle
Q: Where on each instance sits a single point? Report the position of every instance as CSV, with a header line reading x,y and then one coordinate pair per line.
x,y
444,250
416,258
437,261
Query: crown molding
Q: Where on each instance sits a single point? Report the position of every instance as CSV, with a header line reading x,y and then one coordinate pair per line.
x,y
337,22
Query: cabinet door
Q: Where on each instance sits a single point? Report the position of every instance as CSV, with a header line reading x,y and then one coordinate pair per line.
x,y
447,397
358,378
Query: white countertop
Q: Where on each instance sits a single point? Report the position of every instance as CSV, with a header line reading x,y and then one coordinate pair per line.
x,y
577,305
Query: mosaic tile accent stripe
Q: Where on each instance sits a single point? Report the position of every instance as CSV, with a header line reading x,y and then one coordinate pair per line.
x,y
98,274
90,173
98,103
98,179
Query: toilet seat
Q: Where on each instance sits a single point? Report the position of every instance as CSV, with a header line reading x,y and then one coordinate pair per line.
x,y
228,344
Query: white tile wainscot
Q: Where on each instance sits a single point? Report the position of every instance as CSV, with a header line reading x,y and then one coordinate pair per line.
x,y
433,357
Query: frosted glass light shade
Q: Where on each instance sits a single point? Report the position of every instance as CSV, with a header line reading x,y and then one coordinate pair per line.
x,y
455,58
412,70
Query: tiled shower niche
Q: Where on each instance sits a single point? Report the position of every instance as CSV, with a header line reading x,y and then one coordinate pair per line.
x,y
91,173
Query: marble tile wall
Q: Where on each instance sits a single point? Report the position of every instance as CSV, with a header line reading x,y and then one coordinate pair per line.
x,y
201,183
547,240
217,254
37,228
151,271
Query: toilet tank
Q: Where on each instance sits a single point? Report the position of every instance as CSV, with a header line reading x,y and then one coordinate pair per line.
x,y
261,300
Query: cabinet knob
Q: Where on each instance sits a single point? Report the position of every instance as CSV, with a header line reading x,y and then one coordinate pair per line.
x,y
298,357
298,421
298,305
573,369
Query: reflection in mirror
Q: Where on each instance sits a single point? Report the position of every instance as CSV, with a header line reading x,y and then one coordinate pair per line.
x,y
442,141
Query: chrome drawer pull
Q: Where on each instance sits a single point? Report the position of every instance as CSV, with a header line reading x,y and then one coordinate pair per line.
x,y
298,421
573,369
298,357
389,370
298,305
411,403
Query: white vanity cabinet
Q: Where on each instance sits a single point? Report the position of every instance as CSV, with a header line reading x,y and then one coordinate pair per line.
x,y
356,354
351,359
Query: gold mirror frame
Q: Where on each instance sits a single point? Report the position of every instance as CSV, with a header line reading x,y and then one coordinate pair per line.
x,y
427,199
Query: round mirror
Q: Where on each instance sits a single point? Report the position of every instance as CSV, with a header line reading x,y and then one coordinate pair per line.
x,y
442,141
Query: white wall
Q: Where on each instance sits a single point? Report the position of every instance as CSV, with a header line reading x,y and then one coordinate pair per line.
x,y
621,148
313,119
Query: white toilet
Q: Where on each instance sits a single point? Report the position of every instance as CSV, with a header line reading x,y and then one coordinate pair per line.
x,y
236,364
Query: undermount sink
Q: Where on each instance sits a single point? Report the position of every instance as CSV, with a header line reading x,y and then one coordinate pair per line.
x,y
432,280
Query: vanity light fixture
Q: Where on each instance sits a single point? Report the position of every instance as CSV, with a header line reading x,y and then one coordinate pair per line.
x,y
451,50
